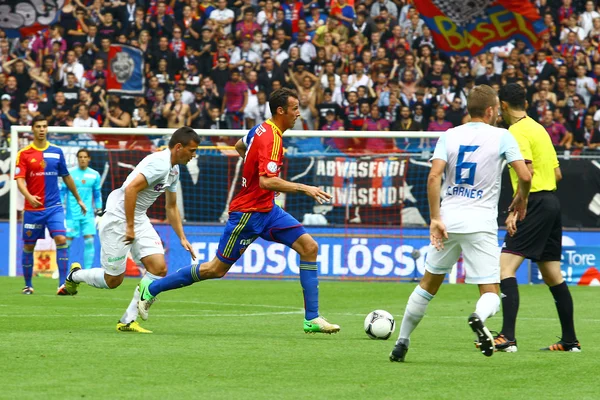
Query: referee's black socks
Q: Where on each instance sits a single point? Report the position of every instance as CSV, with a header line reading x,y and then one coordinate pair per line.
x,y
564,306
510,306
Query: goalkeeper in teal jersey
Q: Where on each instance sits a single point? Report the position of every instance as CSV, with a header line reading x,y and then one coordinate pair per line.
x,y
87,181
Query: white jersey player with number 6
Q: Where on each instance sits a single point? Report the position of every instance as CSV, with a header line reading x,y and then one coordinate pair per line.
x,y
472,157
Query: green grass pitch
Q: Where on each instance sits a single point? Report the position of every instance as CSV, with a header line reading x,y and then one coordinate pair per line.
x,y
244,340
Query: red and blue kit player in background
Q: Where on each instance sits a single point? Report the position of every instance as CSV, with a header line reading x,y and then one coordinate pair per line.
x,y
38,167
253,213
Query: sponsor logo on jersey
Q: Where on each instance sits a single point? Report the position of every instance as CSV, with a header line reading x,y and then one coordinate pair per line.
x,y
115,259
52,155
43,164
272,166
32,160
44,173
159,187
33,226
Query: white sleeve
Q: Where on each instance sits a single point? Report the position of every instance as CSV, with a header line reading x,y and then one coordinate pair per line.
x,y
153,168
509,148
440,152
173,188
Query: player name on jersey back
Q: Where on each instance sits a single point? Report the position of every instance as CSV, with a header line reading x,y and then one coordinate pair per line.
x,y
474,154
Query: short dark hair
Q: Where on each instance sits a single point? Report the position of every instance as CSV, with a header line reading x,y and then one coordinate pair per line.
x,y
38,118
183,136
84,150
279,98
480,98
514,94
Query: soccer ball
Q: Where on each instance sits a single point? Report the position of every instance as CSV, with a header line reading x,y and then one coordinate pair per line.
x,y
380,324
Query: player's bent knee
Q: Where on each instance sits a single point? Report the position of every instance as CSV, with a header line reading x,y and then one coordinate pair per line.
x,y
29,248
60,240
307,248
215,269
113,282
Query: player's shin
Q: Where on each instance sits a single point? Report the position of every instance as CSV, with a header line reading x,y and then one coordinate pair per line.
x,y
564,307
183,277
27,262
62,261
131,313
487,305
93,277
310,288
510,306
88,253
415,311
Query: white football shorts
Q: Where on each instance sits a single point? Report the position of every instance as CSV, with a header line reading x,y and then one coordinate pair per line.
x,y
113,254
481,257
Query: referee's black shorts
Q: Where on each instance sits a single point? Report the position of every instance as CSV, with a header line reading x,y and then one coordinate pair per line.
x,y
539,235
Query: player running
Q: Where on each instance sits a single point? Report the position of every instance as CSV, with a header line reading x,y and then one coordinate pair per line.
x,y
88,183
38,167
471,156
253,213
125,226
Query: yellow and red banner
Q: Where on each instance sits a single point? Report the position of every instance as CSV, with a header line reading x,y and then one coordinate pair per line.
x,y
470,27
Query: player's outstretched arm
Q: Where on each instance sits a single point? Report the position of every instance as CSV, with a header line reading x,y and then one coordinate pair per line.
x,y
437,229
277,184
175,220
70,183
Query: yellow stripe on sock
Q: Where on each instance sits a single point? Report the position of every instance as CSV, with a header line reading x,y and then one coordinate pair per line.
x,y
236,232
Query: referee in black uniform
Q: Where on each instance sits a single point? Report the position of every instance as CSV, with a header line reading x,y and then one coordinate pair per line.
x,y
538,237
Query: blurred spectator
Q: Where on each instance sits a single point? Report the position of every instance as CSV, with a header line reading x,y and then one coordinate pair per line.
x,y
588,136
83,119
558,133
235,100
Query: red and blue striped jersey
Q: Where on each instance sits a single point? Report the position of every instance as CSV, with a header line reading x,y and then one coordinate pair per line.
x,y
264,156
41,168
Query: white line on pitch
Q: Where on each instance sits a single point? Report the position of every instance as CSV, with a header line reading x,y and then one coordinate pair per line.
x,y
154,315
188,302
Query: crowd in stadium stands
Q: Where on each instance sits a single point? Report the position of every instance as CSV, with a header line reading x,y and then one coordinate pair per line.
x,y
370,65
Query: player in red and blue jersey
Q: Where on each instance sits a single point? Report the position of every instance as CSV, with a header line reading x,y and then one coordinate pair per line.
x,y
38,167
253,213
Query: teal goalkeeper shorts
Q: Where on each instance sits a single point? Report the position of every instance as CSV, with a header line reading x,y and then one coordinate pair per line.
x,y
81,227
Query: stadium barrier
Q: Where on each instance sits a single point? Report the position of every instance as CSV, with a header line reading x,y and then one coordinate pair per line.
x,y
370,187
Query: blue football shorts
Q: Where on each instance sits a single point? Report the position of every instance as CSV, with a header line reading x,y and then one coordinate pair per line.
x,y
35,223
243,228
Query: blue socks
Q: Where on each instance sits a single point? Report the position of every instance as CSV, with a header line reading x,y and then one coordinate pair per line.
x,y
27,263
62,260
183,277
88,253
310,289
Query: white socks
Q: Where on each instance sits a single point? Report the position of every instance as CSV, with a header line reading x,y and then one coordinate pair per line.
x,y
415,310
131,313
487,305
93,277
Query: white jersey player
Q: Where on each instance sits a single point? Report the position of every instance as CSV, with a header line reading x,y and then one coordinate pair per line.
x,y
472,157
126,227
